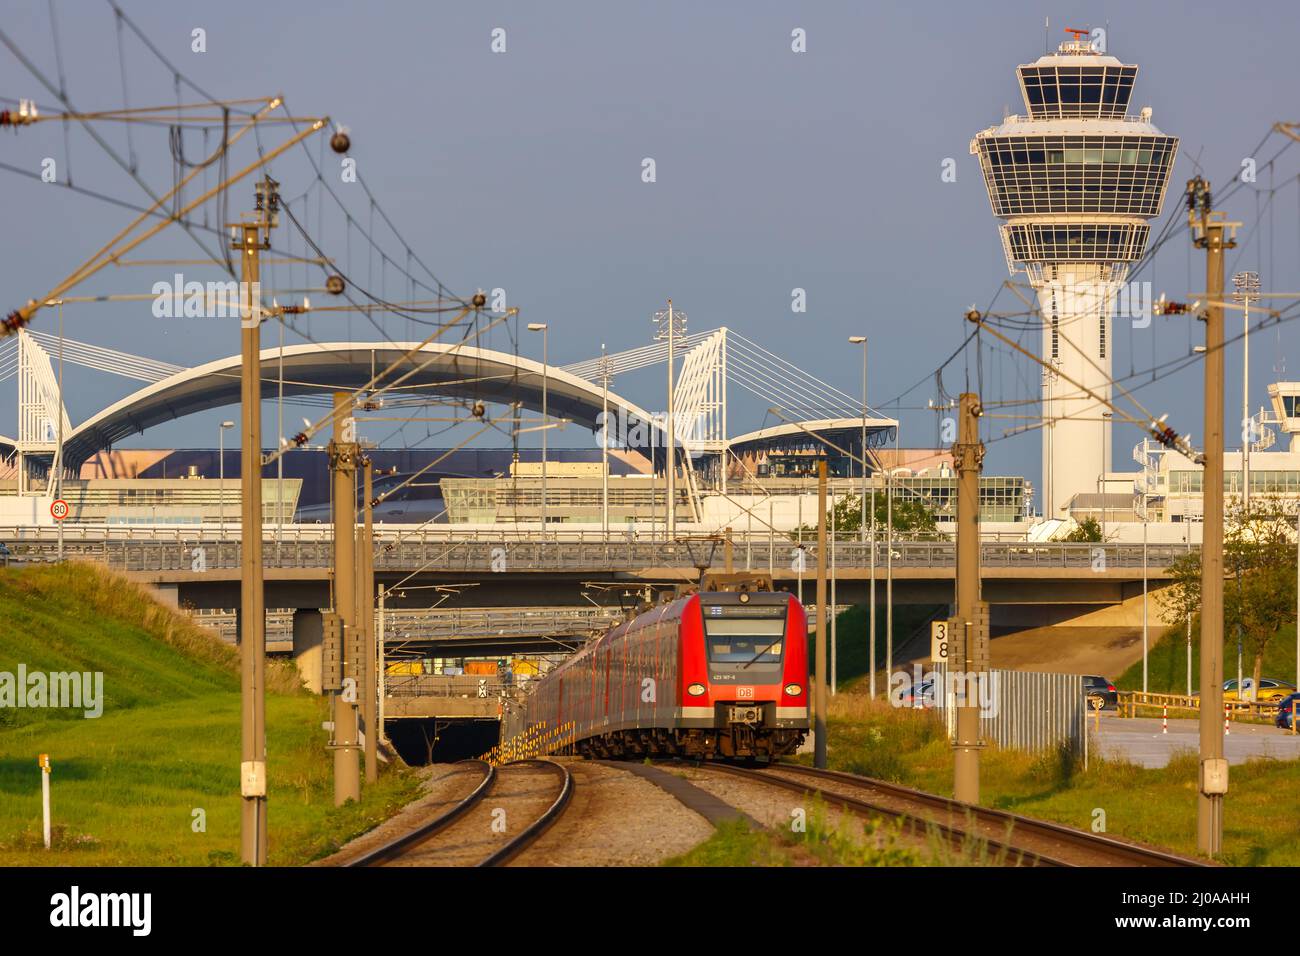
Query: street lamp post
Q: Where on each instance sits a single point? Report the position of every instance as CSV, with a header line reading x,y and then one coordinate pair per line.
x,y
1101,481
604,443
58,471
1247,290
542,327
1145,633
221,486
671,324
889,562
862,530
862,340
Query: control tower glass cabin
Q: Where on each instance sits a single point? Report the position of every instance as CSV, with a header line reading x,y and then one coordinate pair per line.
x,y
1075,182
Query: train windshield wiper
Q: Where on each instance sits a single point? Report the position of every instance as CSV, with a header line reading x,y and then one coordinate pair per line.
x,y
755,658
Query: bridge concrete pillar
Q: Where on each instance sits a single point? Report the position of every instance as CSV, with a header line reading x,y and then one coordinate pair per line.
x,y
308,635
168,594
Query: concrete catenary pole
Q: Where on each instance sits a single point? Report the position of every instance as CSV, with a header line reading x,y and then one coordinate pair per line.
x,y
366,615
248,240
1213,234
819,727
968,455
343,462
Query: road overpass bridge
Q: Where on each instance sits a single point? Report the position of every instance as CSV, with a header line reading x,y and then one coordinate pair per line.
x,y
512,569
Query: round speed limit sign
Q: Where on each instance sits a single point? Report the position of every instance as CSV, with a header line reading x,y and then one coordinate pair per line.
x,y
59,509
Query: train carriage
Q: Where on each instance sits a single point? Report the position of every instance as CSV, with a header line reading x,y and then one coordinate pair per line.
x,y
711,674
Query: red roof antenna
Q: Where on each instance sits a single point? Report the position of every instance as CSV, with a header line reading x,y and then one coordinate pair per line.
x,y
1078,34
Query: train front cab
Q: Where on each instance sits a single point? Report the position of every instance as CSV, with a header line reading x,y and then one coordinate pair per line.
x,y
744,675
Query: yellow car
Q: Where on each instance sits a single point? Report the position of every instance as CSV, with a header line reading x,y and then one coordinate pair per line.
x,y
1269,690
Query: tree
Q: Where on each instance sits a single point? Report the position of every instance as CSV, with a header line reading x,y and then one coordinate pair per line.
x,y
1259,595
1182,599
1087,530
912,519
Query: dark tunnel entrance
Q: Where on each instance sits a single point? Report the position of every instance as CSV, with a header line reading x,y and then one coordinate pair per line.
x,y
425,740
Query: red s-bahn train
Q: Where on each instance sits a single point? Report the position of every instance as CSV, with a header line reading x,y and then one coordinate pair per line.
x,y
711,674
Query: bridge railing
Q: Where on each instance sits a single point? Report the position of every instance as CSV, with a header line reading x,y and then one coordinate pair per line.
x,y
447,623
446,685
504,553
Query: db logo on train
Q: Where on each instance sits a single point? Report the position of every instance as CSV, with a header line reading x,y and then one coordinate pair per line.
x,y
59,509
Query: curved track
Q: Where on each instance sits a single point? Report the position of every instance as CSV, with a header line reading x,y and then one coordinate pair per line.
x,y
454,829
1015,839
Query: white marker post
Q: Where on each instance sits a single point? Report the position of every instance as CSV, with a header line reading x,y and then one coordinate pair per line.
x,y
44,762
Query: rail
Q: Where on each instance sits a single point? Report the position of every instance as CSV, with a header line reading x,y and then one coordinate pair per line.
x,y
1045,839
401,844
406,842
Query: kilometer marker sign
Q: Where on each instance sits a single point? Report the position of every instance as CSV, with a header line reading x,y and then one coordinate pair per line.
x,y
59,509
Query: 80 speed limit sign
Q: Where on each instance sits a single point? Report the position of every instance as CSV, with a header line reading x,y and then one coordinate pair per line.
x,y
59,509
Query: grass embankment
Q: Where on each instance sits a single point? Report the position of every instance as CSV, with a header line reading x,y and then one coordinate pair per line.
x,y
126,786
851,629
1167,661
1155,806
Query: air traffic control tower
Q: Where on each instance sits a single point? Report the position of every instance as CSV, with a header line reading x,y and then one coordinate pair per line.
x,y
1075,183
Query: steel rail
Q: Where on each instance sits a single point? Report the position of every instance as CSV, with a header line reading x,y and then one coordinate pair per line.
x,y
408,841
915,825
1120,851
539,826
402,844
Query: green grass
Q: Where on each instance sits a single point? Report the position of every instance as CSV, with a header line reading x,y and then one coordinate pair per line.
x,y
1167,661
125,786
1156,806
734,843
816,842
851,628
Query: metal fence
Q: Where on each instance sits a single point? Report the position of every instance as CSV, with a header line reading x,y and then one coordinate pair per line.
x,y
1023,710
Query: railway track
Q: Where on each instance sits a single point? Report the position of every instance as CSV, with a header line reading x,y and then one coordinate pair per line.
x,y
1016,840
464,835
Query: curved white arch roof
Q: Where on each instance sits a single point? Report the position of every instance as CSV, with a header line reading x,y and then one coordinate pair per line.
x,y
879,431
453,370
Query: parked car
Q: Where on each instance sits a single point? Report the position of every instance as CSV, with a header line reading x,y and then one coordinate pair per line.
x,y
1270,689
1099,687
918,695
1283,716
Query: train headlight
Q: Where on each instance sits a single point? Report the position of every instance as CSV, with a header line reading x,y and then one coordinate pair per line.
x,y
696,690
793,690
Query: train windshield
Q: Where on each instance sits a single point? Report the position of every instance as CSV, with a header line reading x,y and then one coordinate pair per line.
x,y
740,640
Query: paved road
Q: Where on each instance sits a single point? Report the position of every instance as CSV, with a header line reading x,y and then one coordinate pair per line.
x,y
1139,740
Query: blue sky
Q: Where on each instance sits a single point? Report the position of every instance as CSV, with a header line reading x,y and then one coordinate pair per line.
x,y
775,170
